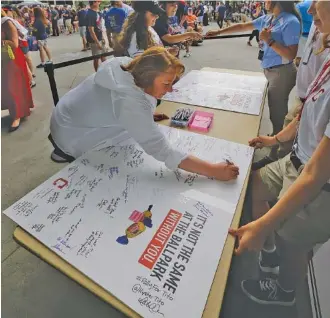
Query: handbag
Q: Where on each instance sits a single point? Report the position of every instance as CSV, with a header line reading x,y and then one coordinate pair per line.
x,y
33,43
7,53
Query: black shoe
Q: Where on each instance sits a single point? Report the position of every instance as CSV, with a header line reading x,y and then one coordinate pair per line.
x,y
40,66
269,262
261,163
12,129
267,292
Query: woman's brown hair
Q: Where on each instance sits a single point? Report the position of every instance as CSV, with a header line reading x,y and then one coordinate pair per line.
x,y
40,14
135,22
154,61
289,7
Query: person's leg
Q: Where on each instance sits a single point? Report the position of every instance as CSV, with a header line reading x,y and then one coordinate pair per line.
x,y
266,185
67,26
31,81
296,237
257,36
29,62
187,47
47,50
281,81
42,55
82,32
293,264
261,196
95,51
96,64
251,38
57,28
109,38
84,42
54,27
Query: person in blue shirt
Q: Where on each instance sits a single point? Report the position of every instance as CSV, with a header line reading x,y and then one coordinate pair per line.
x,y
39,31
82,24
200,13
221,14
279,33
307,20
114,20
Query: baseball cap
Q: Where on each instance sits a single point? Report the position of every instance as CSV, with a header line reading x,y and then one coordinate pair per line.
x,y
7,7
151,6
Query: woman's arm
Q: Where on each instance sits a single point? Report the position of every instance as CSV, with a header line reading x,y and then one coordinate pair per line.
x,y
240,27
220,171
288,52
286,134
137,118
12,35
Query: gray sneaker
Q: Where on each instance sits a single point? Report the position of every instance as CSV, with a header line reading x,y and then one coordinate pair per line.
x,y
56,158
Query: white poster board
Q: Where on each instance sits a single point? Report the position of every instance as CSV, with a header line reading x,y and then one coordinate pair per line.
x,y
232,92
151,237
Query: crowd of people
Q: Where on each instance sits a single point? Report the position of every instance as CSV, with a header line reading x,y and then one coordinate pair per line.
x,y
147,39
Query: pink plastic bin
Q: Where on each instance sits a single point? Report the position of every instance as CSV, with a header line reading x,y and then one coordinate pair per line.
x,y
201,121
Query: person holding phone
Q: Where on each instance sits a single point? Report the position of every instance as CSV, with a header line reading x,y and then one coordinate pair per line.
x,y
279,33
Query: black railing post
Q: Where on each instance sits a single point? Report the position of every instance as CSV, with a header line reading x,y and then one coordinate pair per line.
x,y
49,69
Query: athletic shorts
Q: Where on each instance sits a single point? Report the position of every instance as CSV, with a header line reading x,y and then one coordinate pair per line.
x,y
42,43
82,31
310,226
95,49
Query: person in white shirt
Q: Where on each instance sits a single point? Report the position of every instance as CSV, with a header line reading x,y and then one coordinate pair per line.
x,y
301,184
118,102
313,57
138,33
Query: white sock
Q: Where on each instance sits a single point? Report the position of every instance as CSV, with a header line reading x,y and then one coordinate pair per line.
x,y
272,250
286,290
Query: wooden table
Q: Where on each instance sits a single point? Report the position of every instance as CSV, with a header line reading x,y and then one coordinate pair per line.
x,y
231,126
